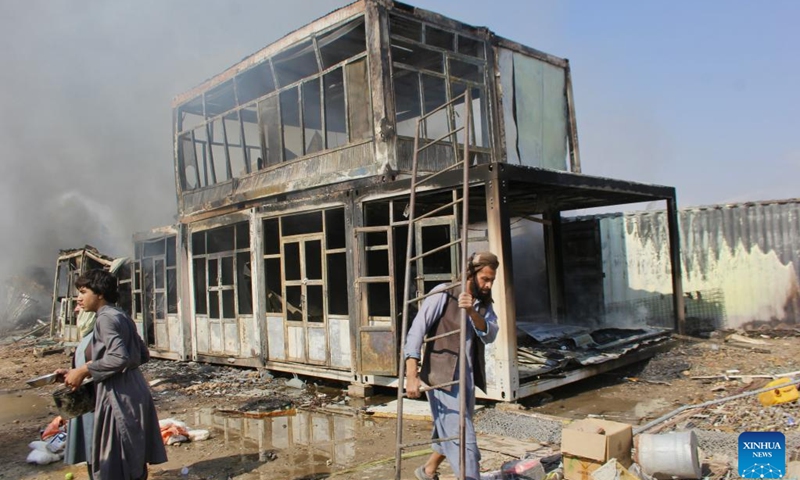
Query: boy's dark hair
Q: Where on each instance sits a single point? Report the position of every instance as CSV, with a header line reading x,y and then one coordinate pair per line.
x,y
100,282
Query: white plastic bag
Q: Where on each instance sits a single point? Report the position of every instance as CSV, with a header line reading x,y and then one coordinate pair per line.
x,y
199,435
43,457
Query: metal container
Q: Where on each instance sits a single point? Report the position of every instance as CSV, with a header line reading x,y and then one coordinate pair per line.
x,y
74,403
43,380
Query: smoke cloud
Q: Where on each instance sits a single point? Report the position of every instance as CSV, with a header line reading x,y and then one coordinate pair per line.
x,y
86,90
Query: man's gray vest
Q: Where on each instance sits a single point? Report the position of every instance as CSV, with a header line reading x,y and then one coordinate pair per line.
x,y
440,357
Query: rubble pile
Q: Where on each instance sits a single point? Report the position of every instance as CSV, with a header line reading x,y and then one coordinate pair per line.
x,y
175,379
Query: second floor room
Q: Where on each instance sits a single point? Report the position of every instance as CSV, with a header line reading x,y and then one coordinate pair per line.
x,y
340,99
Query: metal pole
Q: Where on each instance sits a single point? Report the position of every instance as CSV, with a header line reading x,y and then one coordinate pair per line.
x,y
462,354
406,294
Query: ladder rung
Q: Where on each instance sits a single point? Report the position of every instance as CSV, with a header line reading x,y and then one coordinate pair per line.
x,y
427,388
448,134
441,385
430,294
437,210
452,332
427,442
437,249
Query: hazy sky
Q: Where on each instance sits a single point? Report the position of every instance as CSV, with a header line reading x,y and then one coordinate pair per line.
x,y
699,95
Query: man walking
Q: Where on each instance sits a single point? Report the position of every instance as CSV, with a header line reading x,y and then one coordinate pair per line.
x,y
439,314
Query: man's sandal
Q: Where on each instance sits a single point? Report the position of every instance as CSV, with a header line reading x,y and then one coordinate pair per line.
x,y
421,475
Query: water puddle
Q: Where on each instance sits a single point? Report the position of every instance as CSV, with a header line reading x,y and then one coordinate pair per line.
x,y
306,445
22,406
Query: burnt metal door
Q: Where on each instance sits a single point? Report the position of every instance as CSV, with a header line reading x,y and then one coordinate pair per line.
x,y
155,297
303,291
223,326
375,287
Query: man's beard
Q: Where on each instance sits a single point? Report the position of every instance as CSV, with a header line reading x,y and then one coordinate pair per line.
x,y
484,298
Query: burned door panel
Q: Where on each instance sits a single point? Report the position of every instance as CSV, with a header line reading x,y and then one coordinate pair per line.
x,y
374,357
305,283
222,287
375,285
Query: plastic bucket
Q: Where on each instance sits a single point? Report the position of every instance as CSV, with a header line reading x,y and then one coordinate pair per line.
x,y
668,455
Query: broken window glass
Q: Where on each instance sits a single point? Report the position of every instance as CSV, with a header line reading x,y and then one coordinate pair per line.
x,y
200,286
272,243
294,303
270,120
417,56
359,101
440,38
434,90
220,239
406,94
312,117
254,83
218,151
188,159
220,99
301,223
252,138
315,303
334,228
244,283
471,47
233,134
337,284
295,63
272,278
405,27
335,116
290,120
190,114
342,43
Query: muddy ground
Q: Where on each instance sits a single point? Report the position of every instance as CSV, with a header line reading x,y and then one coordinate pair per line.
x,y
326,434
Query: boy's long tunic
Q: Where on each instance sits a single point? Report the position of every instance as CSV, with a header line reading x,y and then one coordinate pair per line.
x,y
445,405
126,431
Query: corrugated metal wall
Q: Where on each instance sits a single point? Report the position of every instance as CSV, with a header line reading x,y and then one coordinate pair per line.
x,y
741,265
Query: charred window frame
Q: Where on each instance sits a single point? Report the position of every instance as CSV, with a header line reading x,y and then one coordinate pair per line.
x,y
222,272
281,267
294,104
154,282
431,66
381,246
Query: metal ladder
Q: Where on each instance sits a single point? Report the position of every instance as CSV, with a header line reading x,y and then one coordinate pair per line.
x,y
416,181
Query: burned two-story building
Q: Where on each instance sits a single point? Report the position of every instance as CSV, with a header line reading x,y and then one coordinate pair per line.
x,y
292,177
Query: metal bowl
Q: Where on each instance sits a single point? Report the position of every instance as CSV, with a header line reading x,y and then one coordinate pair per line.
x,y
43,380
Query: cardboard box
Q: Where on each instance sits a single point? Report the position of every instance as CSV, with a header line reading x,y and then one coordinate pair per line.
x,y
587,445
